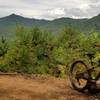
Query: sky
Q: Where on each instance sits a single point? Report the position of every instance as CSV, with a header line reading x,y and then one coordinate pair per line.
x,y
50,9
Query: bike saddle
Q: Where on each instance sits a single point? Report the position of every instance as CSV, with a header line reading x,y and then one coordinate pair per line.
x,y
90,54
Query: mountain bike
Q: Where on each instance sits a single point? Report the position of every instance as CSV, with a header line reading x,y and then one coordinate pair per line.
x,y
84,77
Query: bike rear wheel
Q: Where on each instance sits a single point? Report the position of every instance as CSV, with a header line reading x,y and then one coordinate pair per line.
x,y
76,68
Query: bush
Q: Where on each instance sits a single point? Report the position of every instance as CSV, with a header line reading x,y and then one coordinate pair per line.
x,y
4,68
37,52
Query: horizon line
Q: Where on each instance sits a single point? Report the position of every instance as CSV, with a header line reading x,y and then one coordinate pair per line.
x,y
48,19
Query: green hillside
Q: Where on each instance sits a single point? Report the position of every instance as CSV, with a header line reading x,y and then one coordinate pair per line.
x,y
9,23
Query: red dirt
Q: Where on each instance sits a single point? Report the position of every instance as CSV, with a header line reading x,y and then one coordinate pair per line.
x,y
37,88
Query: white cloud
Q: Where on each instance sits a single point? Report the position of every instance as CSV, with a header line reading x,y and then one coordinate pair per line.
x,y
50,9
57,11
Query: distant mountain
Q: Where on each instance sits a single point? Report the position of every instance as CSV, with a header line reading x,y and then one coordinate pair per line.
x,y
9,23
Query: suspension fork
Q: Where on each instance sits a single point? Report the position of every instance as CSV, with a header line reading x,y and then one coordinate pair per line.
x,y
83,75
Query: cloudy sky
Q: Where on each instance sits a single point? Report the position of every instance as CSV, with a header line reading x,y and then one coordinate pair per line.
x,y
50,9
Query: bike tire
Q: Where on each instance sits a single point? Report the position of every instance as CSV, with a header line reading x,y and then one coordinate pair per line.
x,y
81,89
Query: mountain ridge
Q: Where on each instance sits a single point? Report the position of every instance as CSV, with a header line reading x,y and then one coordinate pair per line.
x,y
8,23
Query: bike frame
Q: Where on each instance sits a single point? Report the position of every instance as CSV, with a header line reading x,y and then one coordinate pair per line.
x,y
86,77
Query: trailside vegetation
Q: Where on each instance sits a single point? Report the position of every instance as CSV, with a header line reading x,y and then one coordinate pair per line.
x,y
36,51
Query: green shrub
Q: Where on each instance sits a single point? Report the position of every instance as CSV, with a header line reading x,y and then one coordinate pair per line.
x,y
4,68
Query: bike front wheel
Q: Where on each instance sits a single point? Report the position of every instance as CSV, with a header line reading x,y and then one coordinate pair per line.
x,y
78,68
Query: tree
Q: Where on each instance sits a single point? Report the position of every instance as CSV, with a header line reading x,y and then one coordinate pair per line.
x,y
3,46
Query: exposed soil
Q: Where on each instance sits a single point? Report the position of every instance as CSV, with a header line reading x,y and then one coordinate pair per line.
x,y
38,88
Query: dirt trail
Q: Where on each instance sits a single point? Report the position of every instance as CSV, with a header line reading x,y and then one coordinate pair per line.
x,y
37,88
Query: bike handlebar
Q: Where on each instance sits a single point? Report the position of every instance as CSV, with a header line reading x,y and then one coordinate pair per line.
x,y
97,45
